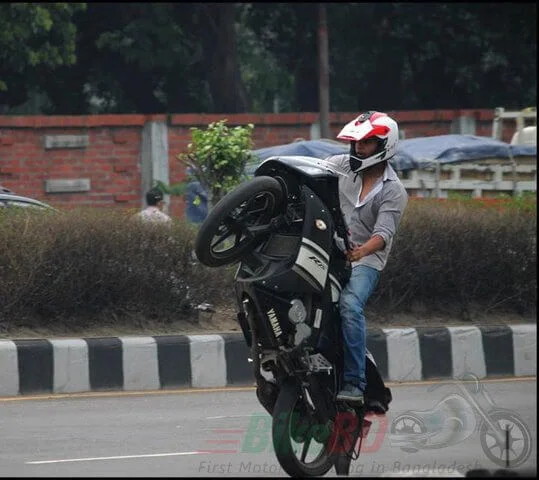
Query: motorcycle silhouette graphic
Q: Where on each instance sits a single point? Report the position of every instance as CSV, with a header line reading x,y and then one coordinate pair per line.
x,y
504,437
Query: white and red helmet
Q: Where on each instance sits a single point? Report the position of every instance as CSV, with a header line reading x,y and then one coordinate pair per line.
x,y
371,124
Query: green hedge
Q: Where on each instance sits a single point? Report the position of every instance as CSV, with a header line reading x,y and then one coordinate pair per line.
x,y
94,265
81,265
463,258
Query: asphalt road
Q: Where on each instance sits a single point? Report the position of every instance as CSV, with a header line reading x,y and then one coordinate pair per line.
x,y
225,432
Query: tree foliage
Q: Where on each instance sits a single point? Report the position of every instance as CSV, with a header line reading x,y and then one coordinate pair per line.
x,y
217,157
34,35
258,57
268,83
134,58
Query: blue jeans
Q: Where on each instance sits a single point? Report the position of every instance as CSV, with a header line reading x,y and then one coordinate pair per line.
x,y
352,303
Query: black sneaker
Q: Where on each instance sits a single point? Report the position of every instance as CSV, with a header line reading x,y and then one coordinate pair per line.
x,y
376,406
352,394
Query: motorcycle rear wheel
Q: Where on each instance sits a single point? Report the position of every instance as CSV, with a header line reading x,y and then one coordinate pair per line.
x,y
235,225
290,420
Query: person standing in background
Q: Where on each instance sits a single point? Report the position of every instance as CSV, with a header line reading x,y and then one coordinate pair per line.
x,y
196,200
153,213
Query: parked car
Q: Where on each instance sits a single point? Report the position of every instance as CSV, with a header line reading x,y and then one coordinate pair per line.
x,y
11,200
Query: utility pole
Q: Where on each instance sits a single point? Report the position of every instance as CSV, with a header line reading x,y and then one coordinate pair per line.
x,y
323,71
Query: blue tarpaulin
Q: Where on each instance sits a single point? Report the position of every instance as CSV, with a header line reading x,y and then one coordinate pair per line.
x,y
421,152
412,153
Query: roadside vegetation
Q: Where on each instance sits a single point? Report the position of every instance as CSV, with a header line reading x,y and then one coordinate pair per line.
x,y
463,257
74,270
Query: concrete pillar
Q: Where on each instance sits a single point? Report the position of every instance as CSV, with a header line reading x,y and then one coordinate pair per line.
x,y
463,126
315,131
154,157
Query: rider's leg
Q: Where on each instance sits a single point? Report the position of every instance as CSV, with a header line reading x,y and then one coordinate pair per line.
x,y
352,303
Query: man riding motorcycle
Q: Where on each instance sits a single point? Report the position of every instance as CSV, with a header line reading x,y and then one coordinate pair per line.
x,y
372,200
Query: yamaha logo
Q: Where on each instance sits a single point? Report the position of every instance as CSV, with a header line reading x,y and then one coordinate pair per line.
x,y
274,323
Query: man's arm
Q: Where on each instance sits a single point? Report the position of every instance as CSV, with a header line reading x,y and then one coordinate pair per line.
x,y
375,243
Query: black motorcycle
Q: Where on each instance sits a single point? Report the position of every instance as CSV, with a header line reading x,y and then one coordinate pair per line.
x,y
283,226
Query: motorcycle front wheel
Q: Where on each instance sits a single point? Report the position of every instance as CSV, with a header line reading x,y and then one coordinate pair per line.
x,y
301,446
239,221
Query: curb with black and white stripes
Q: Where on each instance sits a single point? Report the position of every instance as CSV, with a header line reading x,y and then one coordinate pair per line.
x,y
200,361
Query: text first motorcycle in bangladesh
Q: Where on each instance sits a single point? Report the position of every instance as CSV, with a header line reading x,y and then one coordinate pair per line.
x,y
282,226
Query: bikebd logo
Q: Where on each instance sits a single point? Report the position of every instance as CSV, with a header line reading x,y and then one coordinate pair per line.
x,y
504,437
258,436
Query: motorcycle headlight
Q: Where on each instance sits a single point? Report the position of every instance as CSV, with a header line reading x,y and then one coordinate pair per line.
x,y
297,313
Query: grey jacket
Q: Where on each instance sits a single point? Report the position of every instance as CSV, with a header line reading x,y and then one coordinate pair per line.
x,y
379,213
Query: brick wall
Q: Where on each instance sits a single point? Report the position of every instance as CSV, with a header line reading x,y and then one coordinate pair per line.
x,y
112,158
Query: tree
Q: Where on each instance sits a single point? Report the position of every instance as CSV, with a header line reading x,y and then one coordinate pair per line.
x,y
289,32
215,26
397,56
129,54
156,57
216,157
33,35
432,55
238,57
268,84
